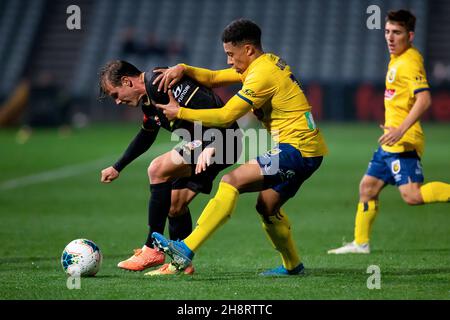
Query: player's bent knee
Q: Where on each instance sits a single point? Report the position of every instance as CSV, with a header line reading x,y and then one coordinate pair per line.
x,y
154,168
157,171
367,191
177,209
412,199
263,209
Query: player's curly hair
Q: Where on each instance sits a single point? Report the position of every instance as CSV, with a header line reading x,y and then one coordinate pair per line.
x,y
113,72
242,31
402,17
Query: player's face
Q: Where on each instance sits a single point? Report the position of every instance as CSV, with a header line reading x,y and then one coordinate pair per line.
x,y
237,56
124,94
397,37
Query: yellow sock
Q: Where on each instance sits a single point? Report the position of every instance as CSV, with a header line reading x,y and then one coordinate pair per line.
x,y
435,192
214,215
365,216
278,230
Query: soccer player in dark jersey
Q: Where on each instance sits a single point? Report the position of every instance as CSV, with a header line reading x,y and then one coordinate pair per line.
x,y
177,176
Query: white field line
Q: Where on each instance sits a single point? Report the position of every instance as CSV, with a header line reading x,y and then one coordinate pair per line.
x,y
73,170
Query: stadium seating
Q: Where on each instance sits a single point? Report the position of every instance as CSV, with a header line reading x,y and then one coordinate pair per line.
x,y
323,40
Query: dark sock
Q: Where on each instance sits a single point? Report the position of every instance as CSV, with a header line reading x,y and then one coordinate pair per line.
x,y
180,227
158,209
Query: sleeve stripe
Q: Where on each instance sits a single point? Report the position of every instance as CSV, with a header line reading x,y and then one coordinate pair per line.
x,y
250,102
421,89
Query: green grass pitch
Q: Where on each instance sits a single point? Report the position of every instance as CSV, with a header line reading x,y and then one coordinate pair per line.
x,y
50,194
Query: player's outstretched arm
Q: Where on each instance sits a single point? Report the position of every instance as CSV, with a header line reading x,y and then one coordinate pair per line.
x,y
206,77
214,117
140,144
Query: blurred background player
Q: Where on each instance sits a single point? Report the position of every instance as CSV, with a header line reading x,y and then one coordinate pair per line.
x,y
177,176
397,159
274,95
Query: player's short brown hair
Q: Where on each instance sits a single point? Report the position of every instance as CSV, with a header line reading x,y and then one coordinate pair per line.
x,y
402,17
113,72
242,31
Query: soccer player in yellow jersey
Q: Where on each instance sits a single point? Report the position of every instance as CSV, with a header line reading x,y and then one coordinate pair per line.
x,y
271,91
397,160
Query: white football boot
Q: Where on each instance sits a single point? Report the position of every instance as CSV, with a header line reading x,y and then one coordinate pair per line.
x,y
351,247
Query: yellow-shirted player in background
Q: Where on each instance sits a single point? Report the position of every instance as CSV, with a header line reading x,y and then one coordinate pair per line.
x,y
397,160
271,91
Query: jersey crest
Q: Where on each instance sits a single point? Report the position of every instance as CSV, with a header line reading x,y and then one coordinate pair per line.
x,y
391,75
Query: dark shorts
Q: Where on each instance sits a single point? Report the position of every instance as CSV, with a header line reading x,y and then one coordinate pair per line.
x,y
395,168
285,169
203,182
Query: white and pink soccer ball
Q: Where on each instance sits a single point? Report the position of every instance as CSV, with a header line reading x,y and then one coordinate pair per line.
x,y
81,257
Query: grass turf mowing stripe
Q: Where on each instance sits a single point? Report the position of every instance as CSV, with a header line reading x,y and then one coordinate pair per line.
x,y
67,171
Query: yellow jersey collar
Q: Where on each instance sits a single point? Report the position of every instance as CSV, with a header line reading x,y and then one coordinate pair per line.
x,y
252,65
393,56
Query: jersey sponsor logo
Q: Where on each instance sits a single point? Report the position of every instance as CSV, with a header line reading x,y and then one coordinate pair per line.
x,y
395,166
391,75
180,91
389,94
420,80
286,175
249,92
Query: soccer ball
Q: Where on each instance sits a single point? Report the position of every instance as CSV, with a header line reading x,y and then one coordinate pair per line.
x,y
81,257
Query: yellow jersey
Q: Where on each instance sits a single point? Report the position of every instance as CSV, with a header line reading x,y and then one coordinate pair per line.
x,y
271,91
405,78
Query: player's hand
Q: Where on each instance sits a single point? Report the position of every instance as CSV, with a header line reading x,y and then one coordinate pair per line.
x,y
168,77
109,174
391,136
171,109
204,159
